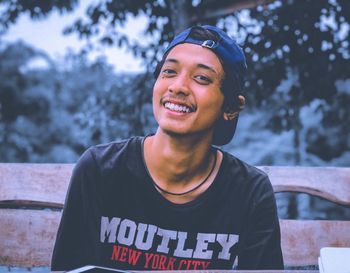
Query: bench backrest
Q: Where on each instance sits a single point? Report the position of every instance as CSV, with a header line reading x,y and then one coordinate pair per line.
x,y
32,195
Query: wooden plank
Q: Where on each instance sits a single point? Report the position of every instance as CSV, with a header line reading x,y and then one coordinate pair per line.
x,y
44,184
49,182
303,239
331,183
223,271
27,237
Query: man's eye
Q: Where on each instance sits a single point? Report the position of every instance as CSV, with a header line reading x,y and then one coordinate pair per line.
x,y
168,71
203,79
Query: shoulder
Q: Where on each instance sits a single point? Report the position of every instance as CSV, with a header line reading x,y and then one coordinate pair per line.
x,y
115,149
104,157
239,168
249,179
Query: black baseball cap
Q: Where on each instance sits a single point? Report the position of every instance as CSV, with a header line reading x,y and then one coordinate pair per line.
x,y
234,64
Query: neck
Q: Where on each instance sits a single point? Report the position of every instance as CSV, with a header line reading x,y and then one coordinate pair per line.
x,y
173,159
179,164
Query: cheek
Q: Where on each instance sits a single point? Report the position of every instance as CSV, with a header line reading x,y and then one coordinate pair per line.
x,y
158,86
155,91
216,104
156,98
214,98
159,90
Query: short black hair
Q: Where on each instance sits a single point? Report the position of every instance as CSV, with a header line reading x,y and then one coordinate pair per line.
x,y
200,33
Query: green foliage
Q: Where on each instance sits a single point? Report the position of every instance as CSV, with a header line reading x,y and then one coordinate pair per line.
x,y
22,108
297,38
103,105
302,52
114,14
164,19
53,115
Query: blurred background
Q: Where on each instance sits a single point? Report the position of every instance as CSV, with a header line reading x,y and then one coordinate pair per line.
x,y
78,73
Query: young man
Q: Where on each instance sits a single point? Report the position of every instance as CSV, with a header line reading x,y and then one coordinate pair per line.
x,y
171,200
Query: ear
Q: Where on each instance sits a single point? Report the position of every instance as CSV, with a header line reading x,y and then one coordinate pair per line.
x,y
230,114
241,102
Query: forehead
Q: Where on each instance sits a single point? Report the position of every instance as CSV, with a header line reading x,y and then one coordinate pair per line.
x,y
192,54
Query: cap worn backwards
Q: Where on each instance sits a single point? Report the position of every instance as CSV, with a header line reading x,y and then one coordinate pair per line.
x,y
234,65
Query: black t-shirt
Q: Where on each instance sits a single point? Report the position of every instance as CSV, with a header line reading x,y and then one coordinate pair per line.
x,y
114,217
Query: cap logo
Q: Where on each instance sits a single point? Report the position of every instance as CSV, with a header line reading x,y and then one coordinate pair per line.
x,y
208,43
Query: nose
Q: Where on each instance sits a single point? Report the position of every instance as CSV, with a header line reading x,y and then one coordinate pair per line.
x,y
180,85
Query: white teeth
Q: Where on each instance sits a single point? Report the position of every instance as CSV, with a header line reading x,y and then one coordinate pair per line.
x,y
177,108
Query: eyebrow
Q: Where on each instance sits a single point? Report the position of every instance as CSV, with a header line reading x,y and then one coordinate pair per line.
x,y
207,67
171,61
200,65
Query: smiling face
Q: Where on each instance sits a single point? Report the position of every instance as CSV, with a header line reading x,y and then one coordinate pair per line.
x,y
187,99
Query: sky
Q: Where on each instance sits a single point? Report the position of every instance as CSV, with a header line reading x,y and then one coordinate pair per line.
x,y
46,34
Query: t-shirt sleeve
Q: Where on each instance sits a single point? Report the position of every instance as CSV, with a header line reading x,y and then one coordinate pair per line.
x,y
261,245
71,248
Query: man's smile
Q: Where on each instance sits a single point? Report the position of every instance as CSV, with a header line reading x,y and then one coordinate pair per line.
x,y
176,105
177,108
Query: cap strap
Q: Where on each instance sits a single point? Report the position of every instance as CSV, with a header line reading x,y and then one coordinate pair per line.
x,y
208,43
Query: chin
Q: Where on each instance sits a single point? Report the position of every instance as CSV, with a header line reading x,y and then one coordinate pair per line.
x,y
185,134
176,132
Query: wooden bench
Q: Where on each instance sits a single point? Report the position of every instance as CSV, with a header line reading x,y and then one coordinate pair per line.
x,y
32,196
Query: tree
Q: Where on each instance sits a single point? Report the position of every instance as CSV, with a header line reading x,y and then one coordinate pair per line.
x,y
54,113
165,19
104,105
303,52
23,108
